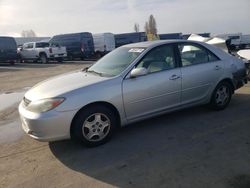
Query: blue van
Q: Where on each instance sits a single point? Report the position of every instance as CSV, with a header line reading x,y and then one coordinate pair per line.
x,y
128,38
8,50
168,36
78,45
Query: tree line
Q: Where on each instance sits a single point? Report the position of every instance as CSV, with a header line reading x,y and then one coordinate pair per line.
x,y
150,28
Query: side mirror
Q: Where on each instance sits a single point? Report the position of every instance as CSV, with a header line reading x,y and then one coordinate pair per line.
x,y
138,72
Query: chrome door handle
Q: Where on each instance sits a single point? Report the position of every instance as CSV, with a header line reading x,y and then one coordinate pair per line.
x,y
217,67
174,77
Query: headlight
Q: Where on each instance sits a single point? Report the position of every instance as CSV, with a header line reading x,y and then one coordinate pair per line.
x,y
44,105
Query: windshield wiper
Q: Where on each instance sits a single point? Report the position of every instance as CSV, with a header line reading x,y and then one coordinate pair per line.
x,y
92,71
85,69
99,73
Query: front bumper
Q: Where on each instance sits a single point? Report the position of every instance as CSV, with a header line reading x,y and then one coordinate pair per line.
x,y
48,126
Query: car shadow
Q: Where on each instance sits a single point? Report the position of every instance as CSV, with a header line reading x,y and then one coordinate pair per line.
x,y
176,149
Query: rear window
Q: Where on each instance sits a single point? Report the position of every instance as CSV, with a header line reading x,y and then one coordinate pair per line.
x,y
42,44
7,43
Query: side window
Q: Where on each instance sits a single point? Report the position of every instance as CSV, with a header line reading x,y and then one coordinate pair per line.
x,y
212,57
42,45
192,54
159,59
29,46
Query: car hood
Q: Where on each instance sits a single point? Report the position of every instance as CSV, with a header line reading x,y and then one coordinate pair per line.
x,y
57,86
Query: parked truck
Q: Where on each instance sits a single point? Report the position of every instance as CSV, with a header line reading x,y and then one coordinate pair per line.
x,y
42,51
103,43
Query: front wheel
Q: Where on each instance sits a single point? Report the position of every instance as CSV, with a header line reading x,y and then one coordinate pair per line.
x,y
221,96
94,125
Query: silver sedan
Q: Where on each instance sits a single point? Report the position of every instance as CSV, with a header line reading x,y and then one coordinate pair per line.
x,y
132,83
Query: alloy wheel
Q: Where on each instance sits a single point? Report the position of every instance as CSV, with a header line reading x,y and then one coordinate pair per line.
x,y
96,127
222,95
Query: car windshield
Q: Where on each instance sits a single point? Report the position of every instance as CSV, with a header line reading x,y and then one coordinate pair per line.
x,y
116,61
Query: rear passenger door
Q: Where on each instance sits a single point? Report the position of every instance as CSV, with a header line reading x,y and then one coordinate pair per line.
x,y
201,70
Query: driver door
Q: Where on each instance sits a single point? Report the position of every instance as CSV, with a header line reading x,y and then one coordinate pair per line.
x,y
28,51
156,91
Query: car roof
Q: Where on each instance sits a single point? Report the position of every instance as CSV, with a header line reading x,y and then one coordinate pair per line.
x,y
6,37
72,34
149,44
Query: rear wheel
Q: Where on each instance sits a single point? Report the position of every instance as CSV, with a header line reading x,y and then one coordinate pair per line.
x,y
70,58
221,96
94,125
43,58
12,62
59,60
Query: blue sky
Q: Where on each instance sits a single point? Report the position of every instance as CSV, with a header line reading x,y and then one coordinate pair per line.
x,y
50,17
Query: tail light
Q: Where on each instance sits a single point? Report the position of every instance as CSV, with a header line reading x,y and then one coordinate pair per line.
x,y
50,50
82,48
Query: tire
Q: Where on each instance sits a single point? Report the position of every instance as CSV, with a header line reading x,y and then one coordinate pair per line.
x,y
43,58
12,62
59,60
70,58
98,55
19,60
221,96
34,61
93,126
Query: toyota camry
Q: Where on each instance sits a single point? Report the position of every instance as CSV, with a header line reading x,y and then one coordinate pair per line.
x,y
132,83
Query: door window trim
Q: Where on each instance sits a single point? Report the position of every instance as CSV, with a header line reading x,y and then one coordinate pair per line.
x,y
195,45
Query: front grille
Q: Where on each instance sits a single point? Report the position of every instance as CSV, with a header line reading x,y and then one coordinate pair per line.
x,y
26,101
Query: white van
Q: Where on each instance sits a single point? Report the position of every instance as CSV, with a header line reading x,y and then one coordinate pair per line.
x,y
103,43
